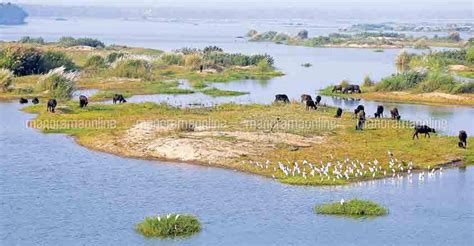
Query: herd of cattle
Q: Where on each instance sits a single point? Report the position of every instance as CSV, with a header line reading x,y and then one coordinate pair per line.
x,y
359,113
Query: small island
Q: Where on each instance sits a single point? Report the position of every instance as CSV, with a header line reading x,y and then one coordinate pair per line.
x,y
371,40
352,208
12,14
169,226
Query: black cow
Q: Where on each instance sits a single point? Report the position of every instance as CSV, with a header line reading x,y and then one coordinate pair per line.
x,y
35,100
358,109
83,101
462,139
338,113
318,99
379,112
119,98
361,120
51,106
337,88
306,97
423,129
351,89
282,98
23,100
310,105
394,113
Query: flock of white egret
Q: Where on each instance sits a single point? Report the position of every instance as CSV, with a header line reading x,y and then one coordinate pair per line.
x,y
345,169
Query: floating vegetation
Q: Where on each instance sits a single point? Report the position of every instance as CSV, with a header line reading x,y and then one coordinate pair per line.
x,y
306,64
169,226
353,208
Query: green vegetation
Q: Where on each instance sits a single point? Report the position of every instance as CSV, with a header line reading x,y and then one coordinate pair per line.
x,y
217,92
352,208
306,64
6,78
70,41
357,40
32,40
12,14
247,134
124,70
169,226
58,83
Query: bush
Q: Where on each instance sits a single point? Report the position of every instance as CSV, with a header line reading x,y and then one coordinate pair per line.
x,y
52,59
420,44
467,87
20,60
400,82
344,83
132,68
58,83
192,60
171,225
367,81
95,62
437,81
264,66
70,41
355,207
114,56
31,40
209,49
6,79
172,59
469,57
402,59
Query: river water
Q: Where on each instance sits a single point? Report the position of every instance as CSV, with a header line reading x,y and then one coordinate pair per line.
x,y
54,192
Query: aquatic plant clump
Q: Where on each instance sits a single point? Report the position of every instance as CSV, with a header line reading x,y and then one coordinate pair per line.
x,y
355,207
58,83
171,225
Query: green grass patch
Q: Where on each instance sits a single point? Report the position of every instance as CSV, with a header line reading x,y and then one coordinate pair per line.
x,y
466,74
169,226
352,208
222,93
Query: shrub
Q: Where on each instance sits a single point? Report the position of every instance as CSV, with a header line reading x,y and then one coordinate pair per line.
x,y
466,87
355,207
70,41
420,44
52,59
264,66
192,60
171,225
58,83
469,57
20,60
344,83
132,68
95,62
400,82
367,81
402,59
454,36
31,40
172,59
437,81
209,49
6,79
251,33
114,56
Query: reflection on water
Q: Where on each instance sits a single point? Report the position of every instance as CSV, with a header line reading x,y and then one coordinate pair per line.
x,y
54,192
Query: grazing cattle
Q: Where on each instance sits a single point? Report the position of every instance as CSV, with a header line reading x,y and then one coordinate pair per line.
x,y
423,129
318,99
358,109
23,100
337,88
351,89
395,114
35,100
282,98
338,113
361,120
119,98
83,101
310,105
462,139
51,106
305,97
379,112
